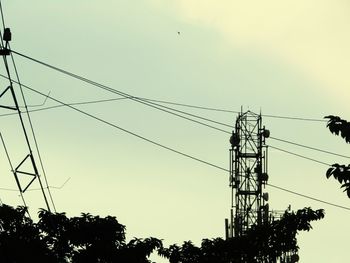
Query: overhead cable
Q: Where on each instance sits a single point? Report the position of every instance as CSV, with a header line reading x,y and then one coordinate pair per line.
x,y
308,197
299,155
189,119
308,147
166,147
131,97
125,95
138,99
130,132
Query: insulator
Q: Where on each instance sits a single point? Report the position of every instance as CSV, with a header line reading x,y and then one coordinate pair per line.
x,y
4,52
7,35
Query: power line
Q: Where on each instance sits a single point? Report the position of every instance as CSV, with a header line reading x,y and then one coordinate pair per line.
x,y
308,197
2,16
299,155
235,111
129,132
125,95
59,105
143,102
169,148
274,138
35,189
308,147
294,118
134,98
62,185
149,102
12,190
192,106
113,99
37,105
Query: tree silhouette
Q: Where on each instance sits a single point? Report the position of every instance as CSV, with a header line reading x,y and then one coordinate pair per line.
x,y
57,238
263,243
339,126
340,172
20,239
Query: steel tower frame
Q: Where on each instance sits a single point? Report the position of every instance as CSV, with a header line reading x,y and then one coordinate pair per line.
x,y
248,174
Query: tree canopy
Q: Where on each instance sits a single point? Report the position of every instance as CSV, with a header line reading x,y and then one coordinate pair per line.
x,y
87,238
263,243
57,238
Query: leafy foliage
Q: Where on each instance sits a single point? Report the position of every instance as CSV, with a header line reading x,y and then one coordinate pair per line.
x,y
338,126
261,243
57,238
88,238
341,173
18,233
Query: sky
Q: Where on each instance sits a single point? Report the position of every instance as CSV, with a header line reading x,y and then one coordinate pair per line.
x,y
286,58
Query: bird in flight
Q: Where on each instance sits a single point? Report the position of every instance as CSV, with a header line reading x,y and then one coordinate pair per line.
x,y
178,32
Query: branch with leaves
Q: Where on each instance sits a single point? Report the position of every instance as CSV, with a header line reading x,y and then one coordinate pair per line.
x,y
263,243
342,174
338,126
57,238
341,127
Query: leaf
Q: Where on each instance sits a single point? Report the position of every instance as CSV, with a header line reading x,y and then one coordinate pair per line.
x,y
332,127
346,185
329,172
340,178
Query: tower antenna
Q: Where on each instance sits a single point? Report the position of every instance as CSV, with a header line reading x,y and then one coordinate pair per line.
x,y
248,174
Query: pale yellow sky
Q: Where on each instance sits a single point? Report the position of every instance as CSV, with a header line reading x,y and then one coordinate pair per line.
x,y
280,57
310,35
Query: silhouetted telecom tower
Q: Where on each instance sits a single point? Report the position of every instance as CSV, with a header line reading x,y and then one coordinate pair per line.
x,y
248,174
27,167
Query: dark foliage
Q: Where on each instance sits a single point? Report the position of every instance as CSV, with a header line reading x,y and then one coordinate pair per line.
x,y
20,239
341,173
339,126
261,244
57,238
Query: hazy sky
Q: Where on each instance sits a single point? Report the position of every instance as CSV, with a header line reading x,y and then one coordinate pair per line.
x,y
286,58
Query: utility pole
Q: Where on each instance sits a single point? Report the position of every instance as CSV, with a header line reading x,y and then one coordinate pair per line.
x,y
27,167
